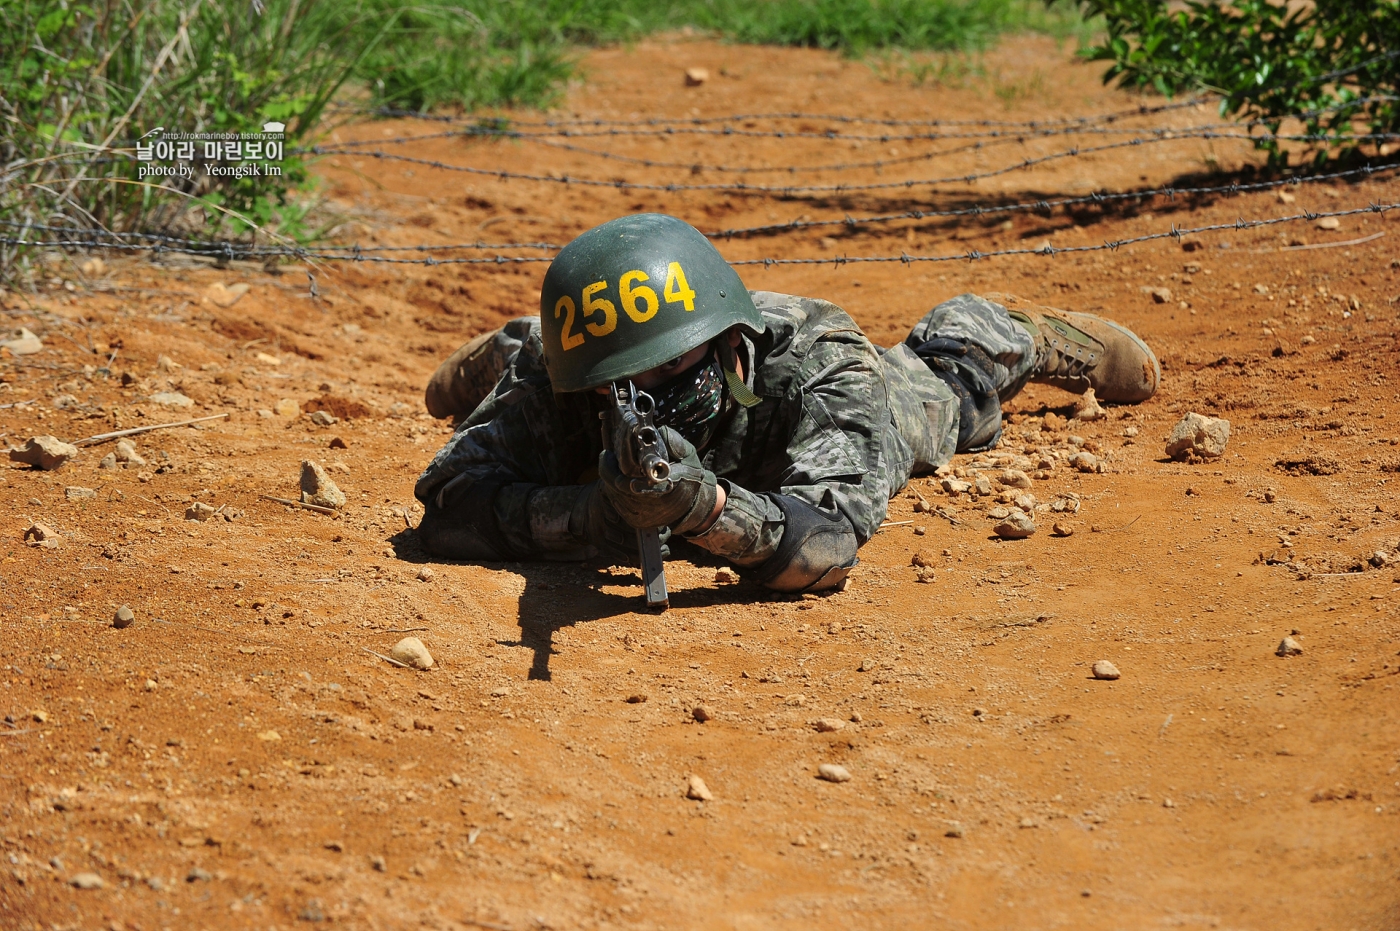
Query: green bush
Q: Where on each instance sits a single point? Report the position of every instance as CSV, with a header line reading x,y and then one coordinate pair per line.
x,y
1334,63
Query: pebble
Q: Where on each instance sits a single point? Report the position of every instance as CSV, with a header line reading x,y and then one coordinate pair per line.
x,y
726,576
323,418
337,443
40,717
200,511
1017,526
1084,462
982,485
411,652
21,342
166,364
1062,529
1289,647
287,408
86,881
109,461
1329,223
1199,435
1087,407
124,618
126,452
999,513
378,864
636,699
920,530
171,399
317,487
1103,669
831,772
827,725
924,574
41,535
1191,244
955,486
1015,478
696,789
78,493
694,77
196,875
924,558
702,713
225,295
865,665
45,452
1025,502
954,830
1159,295
425,574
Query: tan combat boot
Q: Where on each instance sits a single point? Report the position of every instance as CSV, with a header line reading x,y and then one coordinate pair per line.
x,y
1077,352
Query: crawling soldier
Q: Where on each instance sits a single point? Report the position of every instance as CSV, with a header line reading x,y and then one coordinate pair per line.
x,y
788,431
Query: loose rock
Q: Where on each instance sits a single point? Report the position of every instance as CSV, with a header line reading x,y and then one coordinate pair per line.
x,y
694,77
1329,223
171,399
317,487
78,493
44,452
109,461
1289,647
1084,462
37,534
1196,434
124,618
200,511
1087,407
1103,669
1159,295
982,485
126,452
1015,478
924,558
86,881
411,652
726,576
831,772
865,665
955,486
827,725
21,342
1062,529
287,408
924,574
425,574
954,830
323,418
697,790
702,713
1017,526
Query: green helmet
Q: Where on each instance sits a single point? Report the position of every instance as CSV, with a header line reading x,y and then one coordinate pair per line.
x,y
633,294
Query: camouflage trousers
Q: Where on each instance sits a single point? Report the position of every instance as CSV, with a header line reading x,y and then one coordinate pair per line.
x,y
946,381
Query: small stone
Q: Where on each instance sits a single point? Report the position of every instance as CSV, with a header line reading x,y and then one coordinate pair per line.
x,y
268,736
866,665
171,399
1015,478
165,364
955,486
86,881
694,77
702,713
1308,340
78,493
1103,669
312,912
999,513
1025,502
1284,197
198,875
925,574
337,443
924,558
1159,295
108,461
1053,422
425,574
954,830
1017,526
636,699
124,618
1168,803
287,408
37,534
21,342
982,485
1061,529
1196,434
40,717
1192,244
828,725
1289,647
697,790
223,295
266,358
1084,462
1027,823
323,418
265,414
920,530
726,576
1087,407
831,772
378,864
1329,223
317,487
411,652
200,511
45,452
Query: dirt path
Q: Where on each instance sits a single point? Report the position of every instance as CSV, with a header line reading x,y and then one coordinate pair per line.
x,y
235,759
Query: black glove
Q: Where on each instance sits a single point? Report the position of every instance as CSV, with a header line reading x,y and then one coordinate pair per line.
x,y
598,527
683,502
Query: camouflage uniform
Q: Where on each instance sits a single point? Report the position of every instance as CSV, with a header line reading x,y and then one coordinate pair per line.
x,y
841,426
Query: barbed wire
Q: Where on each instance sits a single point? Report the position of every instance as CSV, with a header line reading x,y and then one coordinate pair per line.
x,y
1044,206
904,258
792,190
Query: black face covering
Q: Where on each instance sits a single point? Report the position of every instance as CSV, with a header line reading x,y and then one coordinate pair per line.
x,y
691,403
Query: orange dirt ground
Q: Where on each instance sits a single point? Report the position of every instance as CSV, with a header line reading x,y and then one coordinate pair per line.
x,y
235,759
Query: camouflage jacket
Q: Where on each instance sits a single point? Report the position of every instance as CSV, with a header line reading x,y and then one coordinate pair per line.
x,y
840,425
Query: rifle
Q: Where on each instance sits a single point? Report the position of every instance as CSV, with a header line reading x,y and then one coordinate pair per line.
x,y
645,460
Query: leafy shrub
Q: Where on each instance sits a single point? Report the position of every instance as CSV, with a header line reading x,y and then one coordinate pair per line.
x,y
1334,63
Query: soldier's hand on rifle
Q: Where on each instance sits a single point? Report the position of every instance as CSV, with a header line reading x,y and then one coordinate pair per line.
x,y
682,502
596,525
